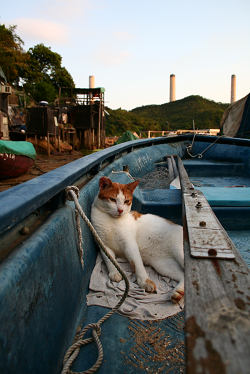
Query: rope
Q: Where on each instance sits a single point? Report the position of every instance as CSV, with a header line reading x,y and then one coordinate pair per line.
x,y
72,193
125,172
200,155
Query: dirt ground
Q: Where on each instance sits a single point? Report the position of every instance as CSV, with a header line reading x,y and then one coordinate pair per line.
x,y
43,164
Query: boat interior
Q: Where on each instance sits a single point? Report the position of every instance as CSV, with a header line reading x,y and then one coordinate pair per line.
x,y
43,286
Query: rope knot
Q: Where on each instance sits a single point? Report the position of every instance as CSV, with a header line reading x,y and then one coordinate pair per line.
x,y
74,350
97,327
70,189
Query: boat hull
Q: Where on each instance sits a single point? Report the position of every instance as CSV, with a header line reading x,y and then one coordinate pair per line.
x,y
12,165
42,284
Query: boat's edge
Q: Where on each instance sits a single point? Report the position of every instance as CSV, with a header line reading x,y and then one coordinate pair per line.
x,y
34,193
20,201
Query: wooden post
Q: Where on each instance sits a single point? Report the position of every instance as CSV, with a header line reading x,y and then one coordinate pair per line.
x,y
80,137
48,144
59,146
99,127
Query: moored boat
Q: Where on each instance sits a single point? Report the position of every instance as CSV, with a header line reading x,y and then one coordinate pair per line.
x,y
43,286
16,158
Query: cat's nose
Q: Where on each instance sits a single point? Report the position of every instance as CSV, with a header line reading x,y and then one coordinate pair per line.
x,y
120,210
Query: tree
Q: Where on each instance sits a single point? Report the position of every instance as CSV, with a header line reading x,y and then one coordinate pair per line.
x,y
61,78
43,91
45,73
43,60
13,58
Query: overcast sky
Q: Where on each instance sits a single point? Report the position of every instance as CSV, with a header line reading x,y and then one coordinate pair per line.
x,y
132,46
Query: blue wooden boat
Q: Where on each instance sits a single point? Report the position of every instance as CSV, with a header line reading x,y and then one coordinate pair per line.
x,y
43,286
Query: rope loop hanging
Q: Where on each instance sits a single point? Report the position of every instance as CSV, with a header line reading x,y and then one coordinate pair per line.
x,y
200,155
72,194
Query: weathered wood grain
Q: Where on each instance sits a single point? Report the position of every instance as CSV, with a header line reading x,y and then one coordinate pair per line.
x,y
207,238
217,310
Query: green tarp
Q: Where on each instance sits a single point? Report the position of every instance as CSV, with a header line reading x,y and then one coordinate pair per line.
x,y
18,148
125,137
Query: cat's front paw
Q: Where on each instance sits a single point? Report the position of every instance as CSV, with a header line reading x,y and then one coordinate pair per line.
x,y
177,295
115,276
150,286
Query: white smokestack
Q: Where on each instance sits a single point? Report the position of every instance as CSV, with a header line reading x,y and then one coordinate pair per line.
x,y
233,88
91,81
172,88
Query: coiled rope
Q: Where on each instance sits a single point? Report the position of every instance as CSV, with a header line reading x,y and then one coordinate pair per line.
x,y
72,193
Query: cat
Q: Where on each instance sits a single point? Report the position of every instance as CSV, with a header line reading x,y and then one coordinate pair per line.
x,y
143,239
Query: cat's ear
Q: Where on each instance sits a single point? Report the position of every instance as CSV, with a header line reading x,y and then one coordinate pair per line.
x,y
132,186
105,182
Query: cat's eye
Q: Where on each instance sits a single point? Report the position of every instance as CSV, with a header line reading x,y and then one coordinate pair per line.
x,y
112,199
126,201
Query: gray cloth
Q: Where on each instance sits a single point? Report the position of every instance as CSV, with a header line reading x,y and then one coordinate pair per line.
x,y
139,304
232,117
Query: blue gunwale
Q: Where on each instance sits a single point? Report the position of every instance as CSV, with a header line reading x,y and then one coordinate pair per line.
x,y
20,201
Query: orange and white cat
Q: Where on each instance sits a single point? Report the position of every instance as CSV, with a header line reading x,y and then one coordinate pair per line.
x,y
143,239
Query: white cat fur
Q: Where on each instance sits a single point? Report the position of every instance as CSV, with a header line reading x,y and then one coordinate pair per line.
x,y
142,239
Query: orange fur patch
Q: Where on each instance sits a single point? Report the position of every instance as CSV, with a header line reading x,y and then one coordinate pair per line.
x,y
136,214
112,189
177,296
109,191
151,286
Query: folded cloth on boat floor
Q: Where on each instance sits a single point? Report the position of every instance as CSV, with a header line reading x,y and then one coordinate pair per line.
x,y
138,304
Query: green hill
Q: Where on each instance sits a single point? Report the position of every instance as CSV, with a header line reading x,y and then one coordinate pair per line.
x,y
178,114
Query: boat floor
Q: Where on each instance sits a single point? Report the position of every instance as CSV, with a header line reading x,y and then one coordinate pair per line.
x,y
136,346
241,240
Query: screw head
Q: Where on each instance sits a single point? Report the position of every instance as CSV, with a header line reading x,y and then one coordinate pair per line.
x,y
212,252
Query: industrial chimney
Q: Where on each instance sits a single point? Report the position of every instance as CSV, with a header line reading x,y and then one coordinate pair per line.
x,y
233,88
91,81
172,88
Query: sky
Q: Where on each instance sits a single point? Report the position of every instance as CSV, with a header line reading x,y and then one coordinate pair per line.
x,y
133,46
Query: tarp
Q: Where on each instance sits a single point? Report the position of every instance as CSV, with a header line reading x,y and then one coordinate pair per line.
x,y
139,304
18,148
236,119
125,137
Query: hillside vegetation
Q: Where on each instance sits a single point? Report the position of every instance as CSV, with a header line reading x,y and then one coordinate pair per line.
x,y
170,116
